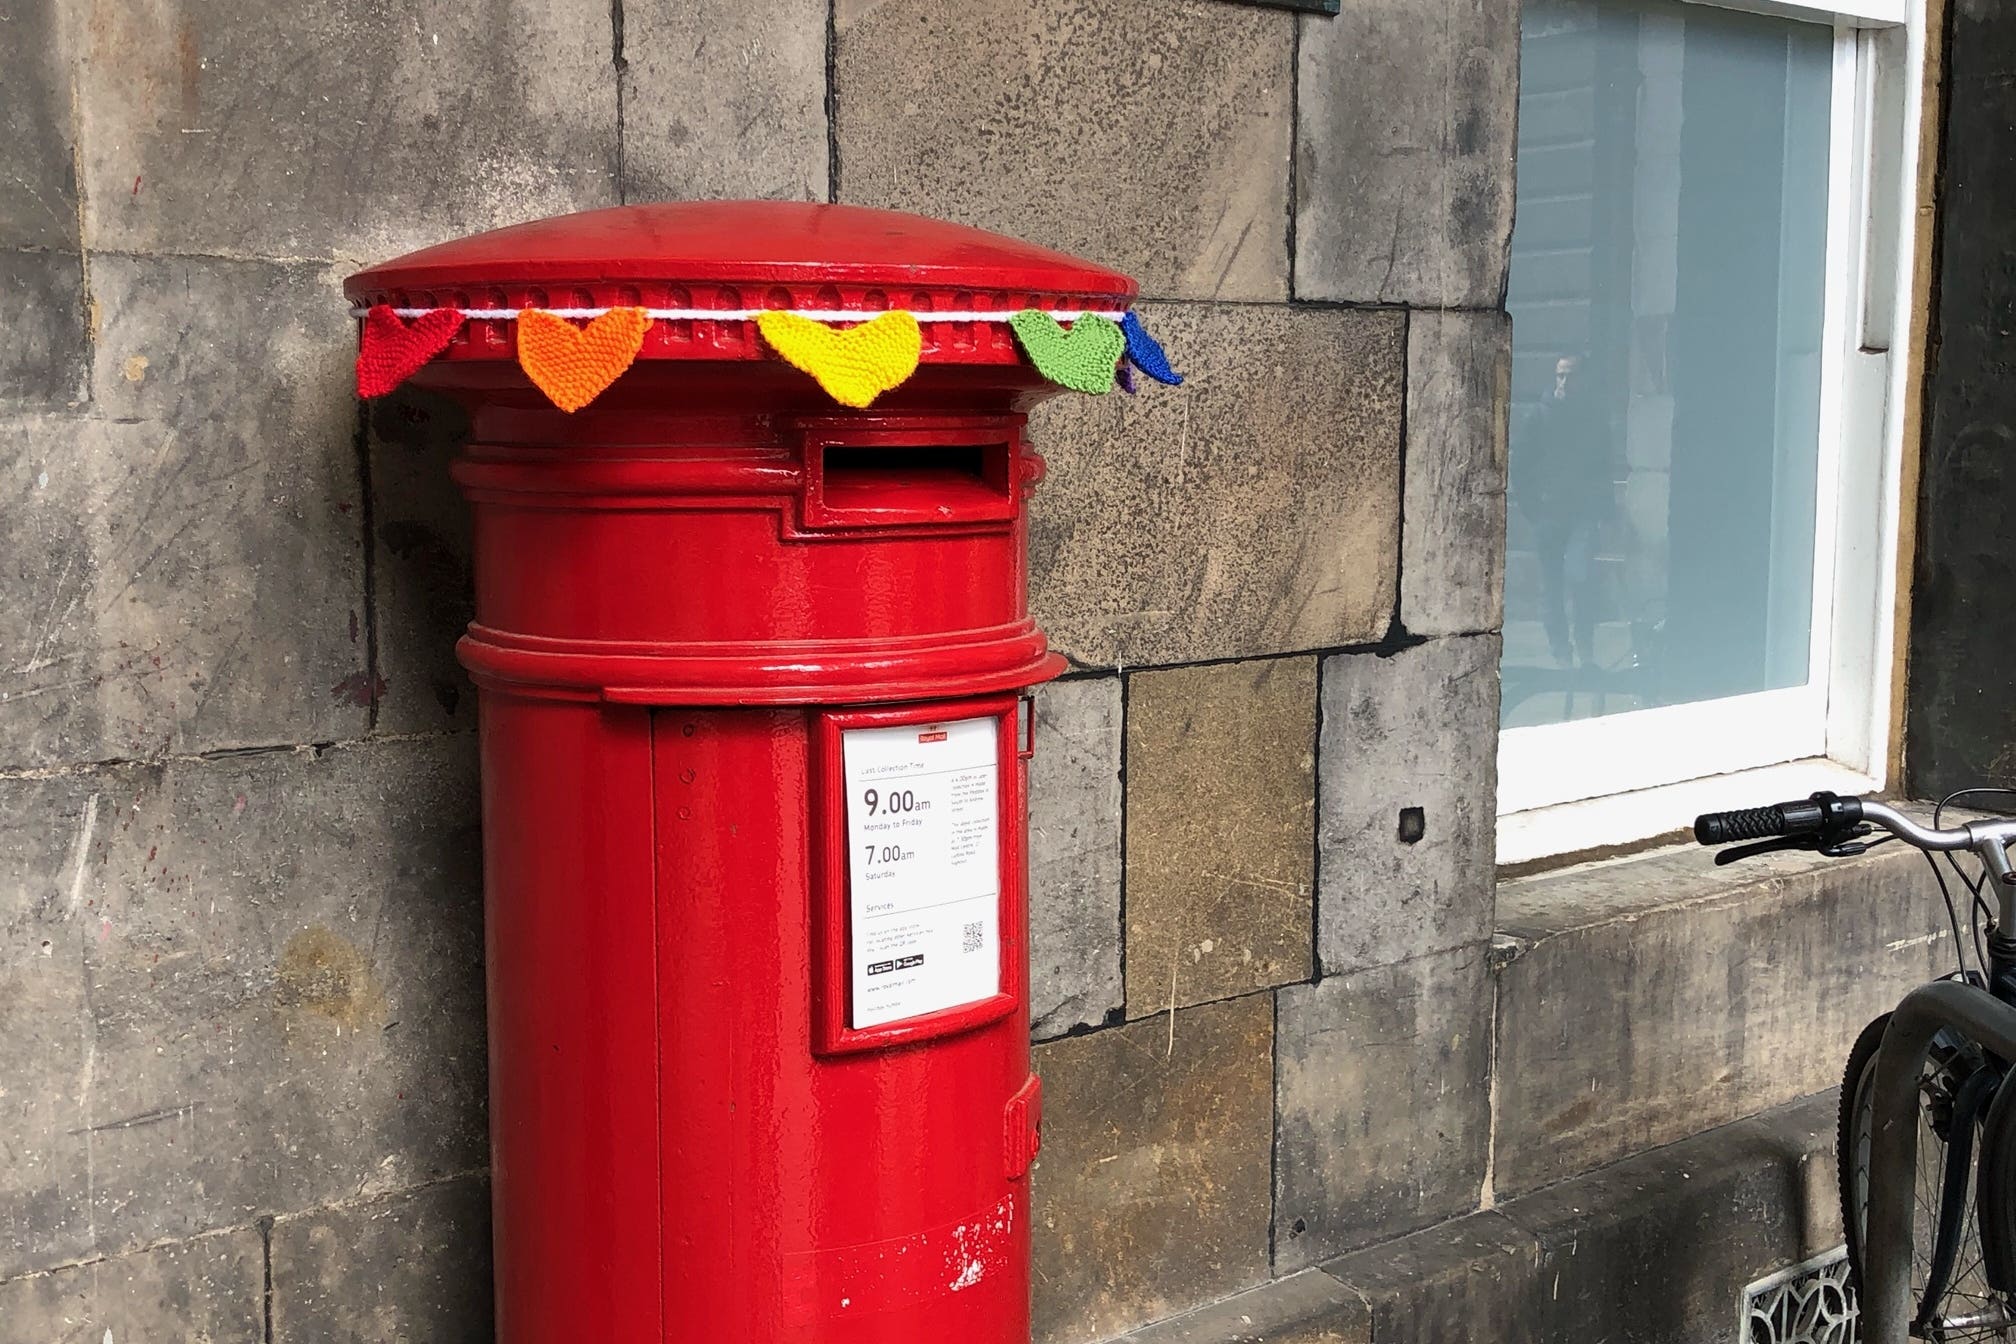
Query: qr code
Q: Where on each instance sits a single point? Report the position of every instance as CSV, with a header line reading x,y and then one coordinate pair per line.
x,y
969,937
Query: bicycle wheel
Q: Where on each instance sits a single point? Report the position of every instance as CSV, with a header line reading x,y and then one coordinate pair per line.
x,y
1953,1091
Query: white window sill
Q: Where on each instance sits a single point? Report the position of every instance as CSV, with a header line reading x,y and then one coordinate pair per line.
x,y
1626,818
1854,13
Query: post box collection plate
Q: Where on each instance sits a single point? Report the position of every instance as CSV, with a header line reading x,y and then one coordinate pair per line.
x,y
754,803
924,867
920,913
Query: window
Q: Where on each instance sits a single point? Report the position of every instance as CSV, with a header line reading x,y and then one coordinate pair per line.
x,y
1705,411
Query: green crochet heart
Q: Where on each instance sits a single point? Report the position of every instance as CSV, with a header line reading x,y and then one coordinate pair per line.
x,y
1082,359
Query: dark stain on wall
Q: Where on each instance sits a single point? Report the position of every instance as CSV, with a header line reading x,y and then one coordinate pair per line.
x,y
1961,702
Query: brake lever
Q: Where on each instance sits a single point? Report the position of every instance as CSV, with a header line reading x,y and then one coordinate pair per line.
x,y
1852,844
1834,845
1737,853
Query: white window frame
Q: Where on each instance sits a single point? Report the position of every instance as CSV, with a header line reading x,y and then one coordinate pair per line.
x,y
1615,779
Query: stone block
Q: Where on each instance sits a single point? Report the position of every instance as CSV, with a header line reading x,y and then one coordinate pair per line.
x,y
1476,1277
352,131
1220,830
207,1290
423,588
1305,1308
48,348
1074,856
1403,154
38,142
1452,544
1409,759
723,99
1383,1096
240,986
41,267
1656,1249
1648,999
1701,1219
412,1266
1154,143
1254,510
1151,1192
188,561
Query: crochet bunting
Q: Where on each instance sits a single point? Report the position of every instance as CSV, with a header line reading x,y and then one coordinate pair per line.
x,y
1082,359
574,365
854,366
389,351
1144,352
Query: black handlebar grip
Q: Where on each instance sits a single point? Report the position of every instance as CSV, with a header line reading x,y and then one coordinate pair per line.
x,y
1805,817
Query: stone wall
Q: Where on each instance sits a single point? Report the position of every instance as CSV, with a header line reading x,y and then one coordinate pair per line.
x,y
1961,729
241,1086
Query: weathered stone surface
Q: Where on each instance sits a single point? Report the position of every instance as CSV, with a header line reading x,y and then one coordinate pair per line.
x,y
1220,830
1700,1219
1452,544
186,563
208,1290
1447,1281
1648,999
350,131
1409,749
1961,717
1074,856
422,584
1151,1193
37,140
1305,1308
1403,169
1384,1103
1254,510
412,1266
242,986
1655,1250
723,99
1158,146
48,350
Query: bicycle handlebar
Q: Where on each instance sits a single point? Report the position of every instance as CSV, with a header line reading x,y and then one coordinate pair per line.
x,y
1825,812
1808,816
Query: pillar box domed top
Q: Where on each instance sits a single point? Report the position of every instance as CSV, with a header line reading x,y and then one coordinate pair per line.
x,y
835,263
825,401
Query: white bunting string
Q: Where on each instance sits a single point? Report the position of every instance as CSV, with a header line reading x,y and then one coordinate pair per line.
x,y
750,314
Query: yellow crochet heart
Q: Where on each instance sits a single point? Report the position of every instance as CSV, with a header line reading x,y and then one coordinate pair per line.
x,y
854,367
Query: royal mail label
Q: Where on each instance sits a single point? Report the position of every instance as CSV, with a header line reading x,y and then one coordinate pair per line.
x,y
924,867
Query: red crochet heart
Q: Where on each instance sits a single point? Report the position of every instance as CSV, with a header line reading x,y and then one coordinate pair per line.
x,y
391,352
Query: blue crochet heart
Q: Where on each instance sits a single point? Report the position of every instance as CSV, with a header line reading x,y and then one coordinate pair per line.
x,y
1145,352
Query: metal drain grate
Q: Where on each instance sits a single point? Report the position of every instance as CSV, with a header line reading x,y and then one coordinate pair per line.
x,y
1806,1304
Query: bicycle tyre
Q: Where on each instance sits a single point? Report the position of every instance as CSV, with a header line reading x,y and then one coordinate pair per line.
x,y
1995,1194
1967,1298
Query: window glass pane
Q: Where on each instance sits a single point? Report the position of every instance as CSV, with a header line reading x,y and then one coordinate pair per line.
x,y
1668,267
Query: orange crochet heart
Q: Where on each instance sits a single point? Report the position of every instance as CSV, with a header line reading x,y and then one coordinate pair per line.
x,y
574,365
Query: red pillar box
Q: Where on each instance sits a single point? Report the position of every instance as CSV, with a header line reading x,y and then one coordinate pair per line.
x,y
752,632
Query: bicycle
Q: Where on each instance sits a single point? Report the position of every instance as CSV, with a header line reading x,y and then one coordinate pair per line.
x,y
1927,1137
